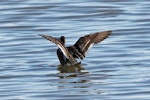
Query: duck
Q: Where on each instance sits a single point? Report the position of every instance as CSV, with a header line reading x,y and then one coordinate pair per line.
x,y
69,55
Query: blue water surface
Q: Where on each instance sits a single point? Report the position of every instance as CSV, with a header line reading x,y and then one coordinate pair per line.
x,y
116,69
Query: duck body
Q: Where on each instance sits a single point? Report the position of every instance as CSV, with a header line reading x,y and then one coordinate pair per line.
x,y
65,61
69,55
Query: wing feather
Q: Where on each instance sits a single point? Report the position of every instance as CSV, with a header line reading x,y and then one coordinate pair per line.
x,y
87,41
58,43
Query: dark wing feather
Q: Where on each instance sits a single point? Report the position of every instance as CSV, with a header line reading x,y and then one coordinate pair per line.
x,y
58,43
84,43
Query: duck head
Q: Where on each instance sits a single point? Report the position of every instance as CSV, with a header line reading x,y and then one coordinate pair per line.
x,y
62,39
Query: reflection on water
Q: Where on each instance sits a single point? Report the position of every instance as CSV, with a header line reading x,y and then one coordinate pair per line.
x,y
78,79
71,71
116,69
71,68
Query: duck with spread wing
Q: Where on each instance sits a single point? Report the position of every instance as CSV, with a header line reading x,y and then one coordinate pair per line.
x,y
69,55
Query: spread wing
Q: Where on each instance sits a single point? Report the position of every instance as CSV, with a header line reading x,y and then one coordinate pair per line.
x,y
86,42
58,43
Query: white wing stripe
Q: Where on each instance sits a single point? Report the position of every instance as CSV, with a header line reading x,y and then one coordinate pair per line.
x,y
90,47
86,44
63,50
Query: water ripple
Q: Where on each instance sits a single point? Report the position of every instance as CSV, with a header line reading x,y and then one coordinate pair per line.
x,y
115,69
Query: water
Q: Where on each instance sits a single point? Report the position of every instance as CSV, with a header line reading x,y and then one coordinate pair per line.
x,y
116,69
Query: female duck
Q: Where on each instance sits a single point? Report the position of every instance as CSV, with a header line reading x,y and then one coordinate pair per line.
x,y
68,55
